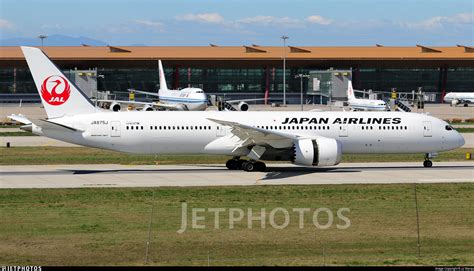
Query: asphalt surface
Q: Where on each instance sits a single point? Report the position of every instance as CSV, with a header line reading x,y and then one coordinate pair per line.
x,y
76,176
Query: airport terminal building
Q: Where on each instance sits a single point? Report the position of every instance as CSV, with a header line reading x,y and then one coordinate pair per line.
x,y
248,71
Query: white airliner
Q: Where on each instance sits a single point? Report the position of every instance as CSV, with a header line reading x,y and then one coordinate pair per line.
x,y
363,104
456,98
304,138
192,99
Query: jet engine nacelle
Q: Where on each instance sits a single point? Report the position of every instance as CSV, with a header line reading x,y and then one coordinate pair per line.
x,y
115,107
321,151
148,108
243,106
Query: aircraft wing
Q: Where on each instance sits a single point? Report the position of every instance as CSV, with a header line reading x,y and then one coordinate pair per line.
x,y
153,104
144,92
246,100
250,135
177,106
125,102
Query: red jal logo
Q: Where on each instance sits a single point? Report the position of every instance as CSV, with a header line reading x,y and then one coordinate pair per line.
x,y
55,90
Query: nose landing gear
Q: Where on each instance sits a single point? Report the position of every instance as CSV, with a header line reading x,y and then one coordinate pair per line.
x,y
428,156
427,163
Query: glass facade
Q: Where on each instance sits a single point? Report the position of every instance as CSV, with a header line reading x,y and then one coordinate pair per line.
x,y
401,79
253,80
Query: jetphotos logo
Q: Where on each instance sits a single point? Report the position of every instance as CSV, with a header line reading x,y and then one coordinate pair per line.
x,y
55,90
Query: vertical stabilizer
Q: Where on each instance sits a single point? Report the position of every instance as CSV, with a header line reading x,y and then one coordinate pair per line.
x,y
161,72
350,91
60,97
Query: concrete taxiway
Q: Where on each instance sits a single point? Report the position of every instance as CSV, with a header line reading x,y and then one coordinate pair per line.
x,y
76,176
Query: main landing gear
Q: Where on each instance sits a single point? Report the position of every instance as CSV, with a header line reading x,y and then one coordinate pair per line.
x,y
427,162
237,163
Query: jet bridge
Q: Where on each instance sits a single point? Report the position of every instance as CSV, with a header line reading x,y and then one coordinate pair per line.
x,y
329,85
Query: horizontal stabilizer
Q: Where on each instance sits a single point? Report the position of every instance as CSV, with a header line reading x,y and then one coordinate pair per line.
x,y
20,118
49,125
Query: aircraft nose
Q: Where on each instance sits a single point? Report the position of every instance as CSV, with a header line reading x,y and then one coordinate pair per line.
x,y
461,140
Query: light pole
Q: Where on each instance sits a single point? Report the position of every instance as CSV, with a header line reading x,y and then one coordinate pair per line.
x,y
284,67
301,76
42,37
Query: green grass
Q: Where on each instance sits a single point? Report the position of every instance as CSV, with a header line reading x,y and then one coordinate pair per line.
x,y
16,134
461,123
82,155
9,126
465,130
109,226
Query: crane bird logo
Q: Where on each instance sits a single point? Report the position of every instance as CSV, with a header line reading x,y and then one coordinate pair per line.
x,y
55,90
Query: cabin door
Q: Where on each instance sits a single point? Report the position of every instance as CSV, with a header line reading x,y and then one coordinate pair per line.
x,y
427,129
115,128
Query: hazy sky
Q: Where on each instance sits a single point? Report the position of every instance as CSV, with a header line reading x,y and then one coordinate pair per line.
x,y
335,22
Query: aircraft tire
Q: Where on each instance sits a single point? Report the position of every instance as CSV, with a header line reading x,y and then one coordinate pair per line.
x,y
232,164
260,166
248,166
427,163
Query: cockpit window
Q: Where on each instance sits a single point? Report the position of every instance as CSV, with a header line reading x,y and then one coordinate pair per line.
x,y
449,127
